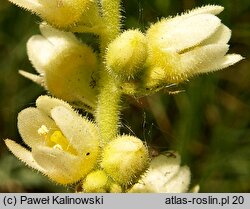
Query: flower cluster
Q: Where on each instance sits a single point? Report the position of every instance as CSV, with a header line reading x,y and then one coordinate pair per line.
x,y
171,51
66,147
70,148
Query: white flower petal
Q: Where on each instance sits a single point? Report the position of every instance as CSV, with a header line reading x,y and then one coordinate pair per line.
x,y
162,170
226,61
202,57
35,78
29,121
43,48
230,59
166,164
179,183
221,36
184,34
62,166
81,133
56,37
46,104
23,154
27,4
208,9
40,52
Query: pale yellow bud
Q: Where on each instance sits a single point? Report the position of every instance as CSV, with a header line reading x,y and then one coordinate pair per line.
x,y
99,182
125,159
60,13
126,55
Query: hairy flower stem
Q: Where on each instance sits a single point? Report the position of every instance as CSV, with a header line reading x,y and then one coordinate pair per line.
x,y
107,113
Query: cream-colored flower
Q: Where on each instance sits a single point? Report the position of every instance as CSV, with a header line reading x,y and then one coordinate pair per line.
x,y
67,67
189,44
61,13
64,146
165,175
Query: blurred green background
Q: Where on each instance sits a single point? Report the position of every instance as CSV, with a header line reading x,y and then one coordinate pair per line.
x,y
208,122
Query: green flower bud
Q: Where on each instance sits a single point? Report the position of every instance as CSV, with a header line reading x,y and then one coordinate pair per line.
x,y
63,13
125,159
115,188
98,181
126,55
95,182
